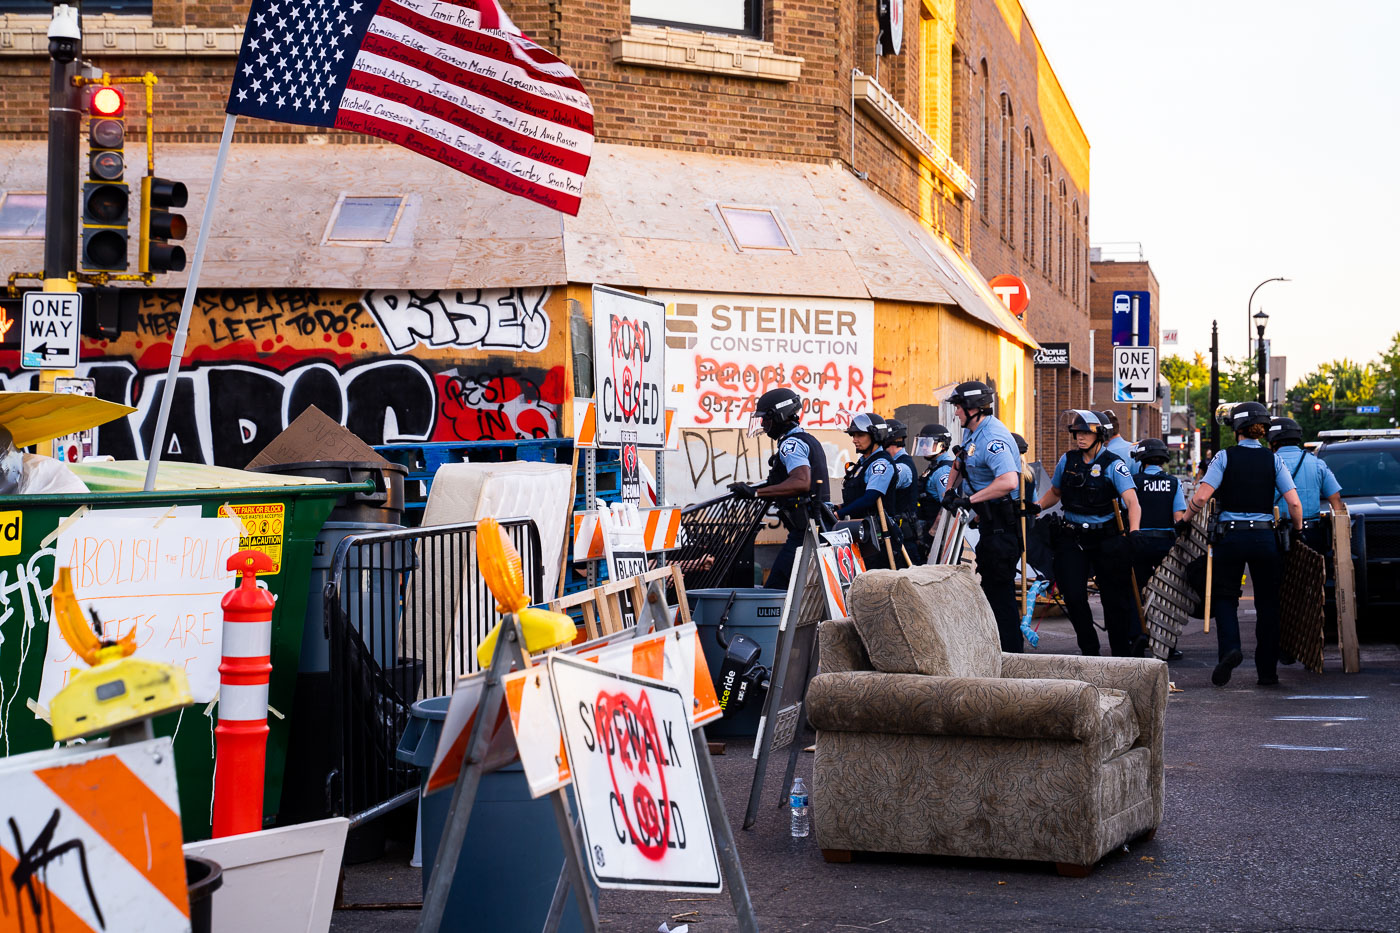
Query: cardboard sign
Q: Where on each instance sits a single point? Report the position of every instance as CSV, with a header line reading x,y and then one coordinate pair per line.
x,y
636,780
162,576
92,840
314,435
629,368
840,565
673,655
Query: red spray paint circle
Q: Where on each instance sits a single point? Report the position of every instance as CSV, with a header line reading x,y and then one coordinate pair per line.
x,y
627,730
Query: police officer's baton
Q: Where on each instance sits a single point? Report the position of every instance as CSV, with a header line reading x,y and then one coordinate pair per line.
x,y
1132,571
885,533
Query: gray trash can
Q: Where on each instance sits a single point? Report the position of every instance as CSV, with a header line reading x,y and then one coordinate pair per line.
x,y
756,613
512,855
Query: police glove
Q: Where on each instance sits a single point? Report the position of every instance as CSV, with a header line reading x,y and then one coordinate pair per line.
x,y
742,490
1135,540
1183,527
952,501
1032,508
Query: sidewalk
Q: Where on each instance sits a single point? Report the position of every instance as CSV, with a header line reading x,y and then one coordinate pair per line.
x,y
1257,835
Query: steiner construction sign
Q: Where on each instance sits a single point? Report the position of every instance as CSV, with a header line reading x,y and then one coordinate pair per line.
x,y
640,801
629,368
724,351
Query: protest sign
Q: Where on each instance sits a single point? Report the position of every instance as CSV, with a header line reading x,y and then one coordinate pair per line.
x,y
637,782
162,576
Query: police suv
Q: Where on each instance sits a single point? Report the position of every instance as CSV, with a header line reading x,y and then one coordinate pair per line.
x,y
1367,465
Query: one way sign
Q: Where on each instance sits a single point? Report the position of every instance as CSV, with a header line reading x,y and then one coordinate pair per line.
x,y
1135,374
50,330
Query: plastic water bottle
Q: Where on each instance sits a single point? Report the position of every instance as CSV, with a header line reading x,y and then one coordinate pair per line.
x,y
799,801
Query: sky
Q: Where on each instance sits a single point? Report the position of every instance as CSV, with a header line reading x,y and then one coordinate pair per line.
x,y
1238,140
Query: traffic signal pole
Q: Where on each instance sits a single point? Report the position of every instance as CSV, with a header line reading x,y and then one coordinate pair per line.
x,y
61,193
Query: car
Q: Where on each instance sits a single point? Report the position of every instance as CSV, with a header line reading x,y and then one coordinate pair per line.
x,y
1367,465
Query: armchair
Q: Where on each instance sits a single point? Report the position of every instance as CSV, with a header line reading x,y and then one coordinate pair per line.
x,y
930,740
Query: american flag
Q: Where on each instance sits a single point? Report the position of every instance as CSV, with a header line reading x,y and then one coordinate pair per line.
x,y
455,81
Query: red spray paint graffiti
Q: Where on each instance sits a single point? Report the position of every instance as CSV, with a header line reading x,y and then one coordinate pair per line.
x,y
627,734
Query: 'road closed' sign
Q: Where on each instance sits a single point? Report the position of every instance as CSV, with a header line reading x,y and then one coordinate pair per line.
x,y
1134,374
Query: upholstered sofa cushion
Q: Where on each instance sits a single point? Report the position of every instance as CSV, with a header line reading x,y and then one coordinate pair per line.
x,y
926,620
1118,728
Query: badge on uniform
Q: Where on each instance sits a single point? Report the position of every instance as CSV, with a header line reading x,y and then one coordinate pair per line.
x,y
996,447
1096,470
970,449
878,467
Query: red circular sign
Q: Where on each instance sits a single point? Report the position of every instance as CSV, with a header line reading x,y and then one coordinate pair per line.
x,y
1012,292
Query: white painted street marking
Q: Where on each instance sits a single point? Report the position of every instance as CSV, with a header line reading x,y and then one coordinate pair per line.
x,y
1307,748
1319,718
1322,697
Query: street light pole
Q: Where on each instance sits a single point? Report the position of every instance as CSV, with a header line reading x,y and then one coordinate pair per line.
x,y
1249,312
1214,387
1260,320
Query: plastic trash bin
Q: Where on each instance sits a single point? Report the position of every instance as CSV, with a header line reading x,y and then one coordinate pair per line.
x,y
30,566
383,503
756,613
512,855
204,877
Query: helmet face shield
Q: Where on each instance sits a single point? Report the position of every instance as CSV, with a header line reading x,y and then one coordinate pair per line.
x,y
1082,421
926,446
755,425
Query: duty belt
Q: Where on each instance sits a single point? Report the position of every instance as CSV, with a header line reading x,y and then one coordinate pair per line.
x,y
1242,525
1158,532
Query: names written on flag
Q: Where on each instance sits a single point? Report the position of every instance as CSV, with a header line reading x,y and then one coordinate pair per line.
x,y
456,82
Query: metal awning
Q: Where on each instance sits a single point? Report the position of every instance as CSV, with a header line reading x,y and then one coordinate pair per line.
x,y
649,219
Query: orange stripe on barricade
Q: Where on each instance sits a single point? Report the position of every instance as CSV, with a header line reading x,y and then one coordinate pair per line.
x,y
649,658
36,901
105,794
653,517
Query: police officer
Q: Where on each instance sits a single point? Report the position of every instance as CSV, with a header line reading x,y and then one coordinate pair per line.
x,y
985,478
1116,443
903,511
870,478
1163,504
1313,478
1243,480
1089,480
797,475
932,443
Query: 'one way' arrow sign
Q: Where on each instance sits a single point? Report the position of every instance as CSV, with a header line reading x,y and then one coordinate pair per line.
x,y
1135,374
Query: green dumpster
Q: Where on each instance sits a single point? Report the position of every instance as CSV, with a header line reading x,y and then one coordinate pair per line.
x,y
28,555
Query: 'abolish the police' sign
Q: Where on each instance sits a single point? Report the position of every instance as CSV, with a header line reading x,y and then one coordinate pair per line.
x,y
629,368
640,801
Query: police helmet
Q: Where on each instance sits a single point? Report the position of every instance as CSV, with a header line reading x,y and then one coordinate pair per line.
x,y
976,395
897,431
1151,450
933,439
1021,444
1284,431
775,413
1083,421
872,424
1109,417
1246,414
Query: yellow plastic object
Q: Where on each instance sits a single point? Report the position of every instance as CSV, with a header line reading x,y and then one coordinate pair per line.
x,y
118,689
499,563
35,417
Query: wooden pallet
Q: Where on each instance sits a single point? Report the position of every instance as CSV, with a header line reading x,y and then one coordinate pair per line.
x,y
1301,600
606,611
1169,597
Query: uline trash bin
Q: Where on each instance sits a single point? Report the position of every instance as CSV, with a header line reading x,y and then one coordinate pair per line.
x,y
756,613
512,855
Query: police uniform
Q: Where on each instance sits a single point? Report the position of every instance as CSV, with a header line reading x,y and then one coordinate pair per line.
x,y
904,507
1092,545
796,449
1245,478
874,473
1124,451
1160,497
990,452
936,476
1315,482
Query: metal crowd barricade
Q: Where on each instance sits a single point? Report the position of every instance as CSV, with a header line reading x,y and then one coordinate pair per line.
x,y
714,535
405,612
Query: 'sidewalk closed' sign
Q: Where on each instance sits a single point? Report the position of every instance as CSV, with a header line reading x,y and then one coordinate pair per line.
x,y
636,778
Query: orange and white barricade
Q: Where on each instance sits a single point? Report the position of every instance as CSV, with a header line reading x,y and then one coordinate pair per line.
x,y
647,529
93,840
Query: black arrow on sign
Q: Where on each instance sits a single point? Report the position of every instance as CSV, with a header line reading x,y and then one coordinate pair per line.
x,y
44,351
1134,390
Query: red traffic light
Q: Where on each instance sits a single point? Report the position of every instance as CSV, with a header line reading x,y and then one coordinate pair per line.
x,y
108,102
1317,406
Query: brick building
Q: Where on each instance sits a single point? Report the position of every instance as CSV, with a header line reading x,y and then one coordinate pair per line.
x,y
1110,276
747,151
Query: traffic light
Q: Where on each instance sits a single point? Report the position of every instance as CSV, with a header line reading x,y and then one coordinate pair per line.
x,y
158,224
1317,406
106,210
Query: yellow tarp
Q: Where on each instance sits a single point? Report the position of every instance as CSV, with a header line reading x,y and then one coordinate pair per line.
x,y
35,417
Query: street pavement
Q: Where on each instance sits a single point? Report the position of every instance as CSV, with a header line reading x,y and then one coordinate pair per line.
x,y
1281,814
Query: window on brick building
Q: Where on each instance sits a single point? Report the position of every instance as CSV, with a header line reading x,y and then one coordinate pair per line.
x,y
1008,174
1063,206
755,227
740,17
1028,231
957,138
1074,270
1047,219
983,153
90,7
22,214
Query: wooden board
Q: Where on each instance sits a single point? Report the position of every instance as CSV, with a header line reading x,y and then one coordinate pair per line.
x,y
1346,591
1169,597
1301,600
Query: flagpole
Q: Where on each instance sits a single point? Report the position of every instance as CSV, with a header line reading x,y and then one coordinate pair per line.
x,y
177,349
